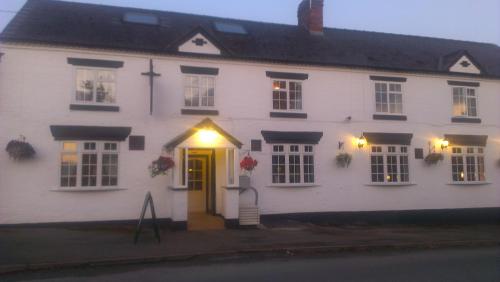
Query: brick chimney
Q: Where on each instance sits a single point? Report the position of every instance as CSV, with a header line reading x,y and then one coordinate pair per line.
x,y
310,15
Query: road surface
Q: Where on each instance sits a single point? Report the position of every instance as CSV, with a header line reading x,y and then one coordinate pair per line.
x,y
481,264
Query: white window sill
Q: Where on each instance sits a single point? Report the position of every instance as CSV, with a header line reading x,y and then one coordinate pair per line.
x,y
95,189
476,183
231,187
178,188
284,185
397,184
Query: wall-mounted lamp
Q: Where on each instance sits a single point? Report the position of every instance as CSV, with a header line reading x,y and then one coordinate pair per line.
x,y
361,142
207,135
444,144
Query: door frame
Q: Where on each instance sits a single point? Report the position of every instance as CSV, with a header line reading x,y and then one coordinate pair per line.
x,y
210,165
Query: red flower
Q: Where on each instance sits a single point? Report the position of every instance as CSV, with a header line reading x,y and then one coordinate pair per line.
x,y
248,163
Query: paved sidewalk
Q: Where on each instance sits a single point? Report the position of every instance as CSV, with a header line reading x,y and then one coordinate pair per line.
x,y
40,248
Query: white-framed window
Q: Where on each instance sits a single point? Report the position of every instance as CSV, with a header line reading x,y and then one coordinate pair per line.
x,y
389,164
89,164
464,102
95,86
287,95
467,164
292,164
199,91
389,98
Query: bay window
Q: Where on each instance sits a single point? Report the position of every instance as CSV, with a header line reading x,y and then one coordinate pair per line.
x,y
292,164
389,164
467,164
88,164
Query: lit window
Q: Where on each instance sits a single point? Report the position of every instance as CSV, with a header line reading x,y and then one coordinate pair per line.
x,y
467,164
464,102
89,164
287,95
388,98
199,91
95,86
292,164
389,164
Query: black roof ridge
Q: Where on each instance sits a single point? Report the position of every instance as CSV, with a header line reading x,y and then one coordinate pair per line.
x,y
262,22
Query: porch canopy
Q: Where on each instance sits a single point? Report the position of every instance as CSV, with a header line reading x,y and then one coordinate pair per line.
x,y
206,124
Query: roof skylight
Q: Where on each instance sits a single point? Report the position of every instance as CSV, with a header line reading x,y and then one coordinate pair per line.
x,y
141,18
230,28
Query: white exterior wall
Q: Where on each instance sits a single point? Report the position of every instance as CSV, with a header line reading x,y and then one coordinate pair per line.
x,y
36,88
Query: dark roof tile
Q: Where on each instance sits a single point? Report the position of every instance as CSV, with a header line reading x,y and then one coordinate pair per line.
x,y
99,26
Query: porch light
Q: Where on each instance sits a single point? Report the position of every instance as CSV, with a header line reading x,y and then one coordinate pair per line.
x,y
361,142
207,136
444,144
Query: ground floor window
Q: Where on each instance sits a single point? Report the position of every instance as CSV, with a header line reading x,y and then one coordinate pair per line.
x,y
389,164
89,164
292,164
467,164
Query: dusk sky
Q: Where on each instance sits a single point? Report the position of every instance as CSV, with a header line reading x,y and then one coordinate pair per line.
x,y
472,20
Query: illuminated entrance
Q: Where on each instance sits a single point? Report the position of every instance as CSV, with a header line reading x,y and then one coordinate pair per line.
x,y
205,190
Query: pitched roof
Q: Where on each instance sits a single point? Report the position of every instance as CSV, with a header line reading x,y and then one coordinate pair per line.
x,y
99,26
205,123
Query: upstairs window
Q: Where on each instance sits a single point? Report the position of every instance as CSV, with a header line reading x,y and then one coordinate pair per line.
x,y
467,164
464,102
95,86
287,95
293,164
199,91
389,164
89,164
388,98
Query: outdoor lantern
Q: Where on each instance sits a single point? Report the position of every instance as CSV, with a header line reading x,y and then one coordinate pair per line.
x,y
444,144
207,136
361,141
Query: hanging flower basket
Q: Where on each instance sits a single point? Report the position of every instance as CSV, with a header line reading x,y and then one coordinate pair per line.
x,y
20,150
343,159
248,164
161,166
433,158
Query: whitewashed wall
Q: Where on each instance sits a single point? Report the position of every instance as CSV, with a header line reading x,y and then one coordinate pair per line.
x,y
36,86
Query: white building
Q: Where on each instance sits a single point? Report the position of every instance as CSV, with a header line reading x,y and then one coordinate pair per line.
x,y
293,97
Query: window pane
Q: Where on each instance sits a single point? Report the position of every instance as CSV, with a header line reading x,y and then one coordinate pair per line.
x,y
480,168
84,85
459,107
471,168
377,168
69,164
392,169
457,168
89,170
404,171
278,169
109,170
230,165
105,92
294,168
70,146
308,169
106,76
